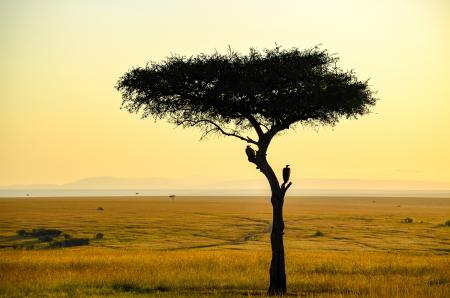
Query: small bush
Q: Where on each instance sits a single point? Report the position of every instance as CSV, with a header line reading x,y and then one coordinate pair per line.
x,y
45,238
70,242
408,220
447,223
45,232
22,233
134,288
100,209
318,234
39,233
98,236
67,236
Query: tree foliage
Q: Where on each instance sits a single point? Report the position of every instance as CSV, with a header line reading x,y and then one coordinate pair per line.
x,y
231,93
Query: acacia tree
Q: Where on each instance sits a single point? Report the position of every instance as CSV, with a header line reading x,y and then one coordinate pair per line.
x,y
264,92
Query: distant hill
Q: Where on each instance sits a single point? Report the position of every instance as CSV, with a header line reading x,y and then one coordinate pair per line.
x,y
29,186
104,182
333,184
108,182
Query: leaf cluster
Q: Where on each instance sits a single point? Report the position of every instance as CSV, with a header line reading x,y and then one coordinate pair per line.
x,y
230,93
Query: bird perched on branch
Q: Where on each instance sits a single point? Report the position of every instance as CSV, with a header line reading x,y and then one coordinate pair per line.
x,y
251,154
286,174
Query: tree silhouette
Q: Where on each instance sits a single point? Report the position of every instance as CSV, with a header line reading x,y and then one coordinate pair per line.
x,y
264,92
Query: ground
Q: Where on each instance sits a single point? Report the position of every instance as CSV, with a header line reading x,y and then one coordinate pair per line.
x,y
219,247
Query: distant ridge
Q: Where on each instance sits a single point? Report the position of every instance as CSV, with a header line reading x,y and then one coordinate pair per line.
x,y
102,182
15,193
108,182
117,183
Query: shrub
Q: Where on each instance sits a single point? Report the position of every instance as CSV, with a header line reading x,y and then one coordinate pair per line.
x,y
100,209
45,238
408,220
318,234
22,233
45,232
39,233
447,223
98,236
70,242
67,236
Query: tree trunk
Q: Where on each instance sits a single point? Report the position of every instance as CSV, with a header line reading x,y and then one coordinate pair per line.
x,y
277,267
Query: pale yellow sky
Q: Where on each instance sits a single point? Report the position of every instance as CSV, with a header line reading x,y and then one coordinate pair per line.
x,y
60,60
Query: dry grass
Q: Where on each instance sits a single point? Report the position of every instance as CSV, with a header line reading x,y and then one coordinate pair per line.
x,y
219,247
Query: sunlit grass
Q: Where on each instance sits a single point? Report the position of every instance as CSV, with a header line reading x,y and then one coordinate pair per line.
x,y
109,271
220,247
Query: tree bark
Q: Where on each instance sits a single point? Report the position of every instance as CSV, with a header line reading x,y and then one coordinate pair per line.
x,y
277,267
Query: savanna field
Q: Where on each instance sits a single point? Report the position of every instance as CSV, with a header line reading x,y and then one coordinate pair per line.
x,y
220,247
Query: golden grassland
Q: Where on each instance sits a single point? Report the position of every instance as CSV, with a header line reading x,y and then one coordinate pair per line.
x,y
219,247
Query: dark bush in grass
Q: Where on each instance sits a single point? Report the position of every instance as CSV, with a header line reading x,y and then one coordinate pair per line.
x,y
45,238
39,233
447,223
45,232
318,234
408,220
100,209
22,233
134,288
98,236
67,236
70,242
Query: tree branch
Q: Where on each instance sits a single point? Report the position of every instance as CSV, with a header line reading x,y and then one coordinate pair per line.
x,y
265,126
221,130
285,187
255,124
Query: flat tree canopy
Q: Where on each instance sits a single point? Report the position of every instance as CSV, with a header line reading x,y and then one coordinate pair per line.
x,y
231,93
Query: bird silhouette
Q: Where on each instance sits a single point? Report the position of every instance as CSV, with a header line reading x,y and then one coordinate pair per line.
x,y
286,174
251,154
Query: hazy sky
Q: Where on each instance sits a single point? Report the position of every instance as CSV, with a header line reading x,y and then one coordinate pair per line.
x,y
60,116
